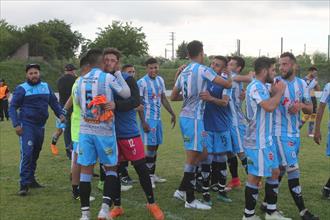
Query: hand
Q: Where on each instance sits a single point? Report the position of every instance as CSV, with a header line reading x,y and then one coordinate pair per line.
x,y
109,106
139,108
146,127
206,96
173,120
317,137
295,108
242,95
180,69
252,74
278,86
19,130
117,66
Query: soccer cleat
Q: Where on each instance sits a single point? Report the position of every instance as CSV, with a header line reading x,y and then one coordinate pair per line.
x,y
23,190
116,212
207,199
276,216
254,217
85,215
124,188
103,215
152,178
35,185
100,185
180,195
158,179
155,211
326,193
309,216
54,149
196,204
222,196
234,183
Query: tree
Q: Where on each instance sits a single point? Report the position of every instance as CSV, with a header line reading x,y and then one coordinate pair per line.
x,y
182,52
126,38
10,40
319,57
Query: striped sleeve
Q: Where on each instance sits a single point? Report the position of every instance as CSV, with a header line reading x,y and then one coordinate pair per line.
x,y
325,94
306,92
178,82
259,93
208,74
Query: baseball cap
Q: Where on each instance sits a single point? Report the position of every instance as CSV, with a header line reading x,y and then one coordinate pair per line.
x,y
70,67
32,65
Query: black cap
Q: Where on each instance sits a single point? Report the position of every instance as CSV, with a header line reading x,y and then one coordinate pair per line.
x,y
32,65
70,67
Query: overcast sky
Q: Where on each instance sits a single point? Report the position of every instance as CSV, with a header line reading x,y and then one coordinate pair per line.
x,y
258,24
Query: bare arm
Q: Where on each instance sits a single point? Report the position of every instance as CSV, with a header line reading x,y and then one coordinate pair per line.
x,y
226,83
176,96
68,104
244,78
317,132
307,108
206,96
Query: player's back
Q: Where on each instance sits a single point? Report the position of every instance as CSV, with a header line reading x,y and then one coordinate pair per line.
x,y
94,83
192,81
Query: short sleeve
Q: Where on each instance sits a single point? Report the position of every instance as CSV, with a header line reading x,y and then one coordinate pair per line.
x,y
259,93
208,73
325,94
162,84
227,92
178,82
141,86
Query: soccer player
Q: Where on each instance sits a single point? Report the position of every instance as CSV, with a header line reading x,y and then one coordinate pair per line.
x,y
152,92
217,123
235,66
191,82
325,99
258,142
312,84
286,128
130,145
32,99
75,127
4,95
97,131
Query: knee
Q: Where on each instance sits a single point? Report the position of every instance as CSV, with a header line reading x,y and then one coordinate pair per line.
x,y
293,174
275,173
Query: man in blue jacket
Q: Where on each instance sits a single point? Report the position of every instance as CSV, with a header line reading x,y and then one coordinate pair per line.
x,y
31,98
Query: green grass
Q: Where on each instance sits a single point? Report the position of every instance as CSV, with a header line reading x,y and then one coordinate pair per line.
x,y
55,202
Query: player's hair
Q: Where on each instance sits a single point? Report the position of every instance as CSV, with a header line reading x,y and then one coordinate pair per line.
x,y
93,56
290,55
83,61
240,61
222,58
151,60
194,48
312,68
113,51
126,66
263,63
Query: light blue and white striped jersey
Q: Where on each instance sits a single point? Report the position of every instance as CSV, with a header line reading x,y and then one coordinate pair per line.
x,y
151,91
94,83
259,130
192,81
325,97
311,83
286,124
235,102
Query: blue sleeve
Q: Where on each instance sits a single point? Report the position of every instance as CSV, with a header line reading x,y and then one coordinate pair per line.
x,y
53,103
16,103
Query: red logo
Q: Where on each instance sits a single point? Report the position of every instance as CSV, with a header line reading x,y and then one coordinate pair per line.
x,y
286,100
271,156
290,143
204,134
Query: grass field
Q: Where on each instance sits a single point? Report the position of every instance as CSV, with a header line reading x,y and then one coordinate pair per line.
x,y
55,202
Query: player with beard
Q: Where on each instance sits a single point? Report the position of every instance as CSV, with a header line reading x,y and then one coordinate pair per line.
x,y
130,146
258,143
286,133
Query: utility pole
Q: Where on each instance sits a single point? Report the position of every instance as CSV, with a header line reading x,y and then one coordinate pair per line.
x,y
281,45
238,47
172,43
259,52
329,47
304,49
165,53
